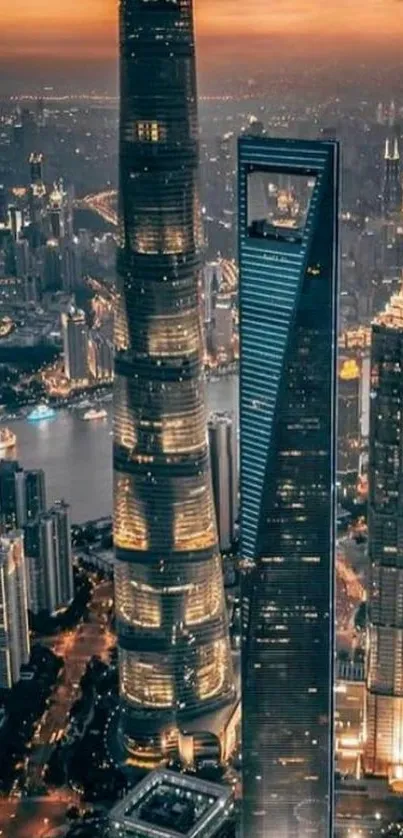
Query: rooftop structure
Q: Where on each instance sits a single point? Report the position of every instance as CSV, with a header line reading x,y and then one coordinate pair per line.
x,y
170,805
392,315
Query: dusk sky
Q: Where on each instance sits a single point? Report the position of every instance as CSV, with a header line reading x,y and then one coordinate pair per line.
x,y
87,27
37,32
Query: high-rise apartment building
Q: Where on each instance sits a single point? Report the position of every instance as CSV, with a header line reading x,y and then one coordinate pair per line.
x,y
60,512
9,502
14,633
22,494
174,652
224,472
212,280
36,168
49,560
3,206
288,237
384,706
75,345
71,265
35,494
37,199
100,356
222,330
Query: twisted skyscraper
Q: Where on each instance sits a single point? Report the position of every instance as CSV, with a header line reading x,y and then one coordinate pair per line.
x,y
174,652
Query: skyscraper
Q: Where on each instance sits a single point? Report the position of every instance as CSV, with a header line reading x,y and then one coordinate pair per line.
x,y
22,494
222,332
37,199
36,168
3,206
212,279
49,560
75,345
392,185
71,265
14,634
384,710
57,211
60,513
174,652
35,494
223,456
288,236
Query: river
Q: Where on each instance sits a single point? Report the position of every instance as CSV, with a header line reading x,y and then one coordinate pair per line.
x,y
77,456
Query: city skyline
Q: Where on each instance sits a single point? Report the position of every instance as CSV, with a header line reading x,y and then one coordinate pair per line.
x,y
34,35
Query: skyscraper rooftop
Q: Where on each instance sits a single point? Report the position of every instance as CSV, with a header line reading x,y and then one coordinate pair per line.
x,y
170,805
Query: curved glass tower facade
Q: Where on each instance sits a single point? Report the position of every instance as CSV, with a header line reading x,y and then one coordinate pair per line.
x,y
174,652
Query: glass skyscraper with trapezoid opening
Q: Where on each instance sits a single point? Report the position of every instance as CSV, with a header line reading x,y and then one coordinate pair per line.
x,y
288,240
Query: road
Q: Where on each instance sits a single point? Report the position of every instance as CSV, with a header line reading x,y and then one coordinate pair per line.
x,y
104,204
350,589
76,647
34,817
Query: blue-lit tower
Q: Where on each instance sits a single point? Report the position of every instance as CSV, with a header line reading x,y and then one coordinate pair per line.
x,y
288,249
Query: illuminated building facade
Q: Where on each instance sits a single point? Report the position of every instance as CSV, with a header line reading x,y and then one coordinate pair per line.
x,y
37,199
288,329
49,560
222,331
14,633
174,653
349,387
223,456
384,710
75,345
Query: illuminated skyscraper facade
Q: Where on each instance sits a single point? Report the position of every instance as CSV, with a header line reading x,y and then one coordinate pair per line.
x,y
384,708
174,650
288,237
75,345
14,632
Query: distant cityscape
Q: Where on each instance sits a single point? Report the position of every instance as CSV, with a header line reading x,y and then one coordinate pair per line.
x,y
201,336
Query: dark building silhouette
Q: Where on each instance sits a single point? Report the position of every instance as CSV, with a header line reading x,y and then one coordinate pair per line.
x,y
392,185
288,239
174,653
22,494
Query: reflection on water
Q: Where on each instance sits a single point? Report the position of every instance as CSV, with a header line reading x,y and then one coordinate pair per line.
x,y
77,456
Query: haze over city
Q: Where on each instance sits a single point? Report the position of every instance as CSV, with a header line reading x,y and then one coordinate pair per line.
x,y
76,45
